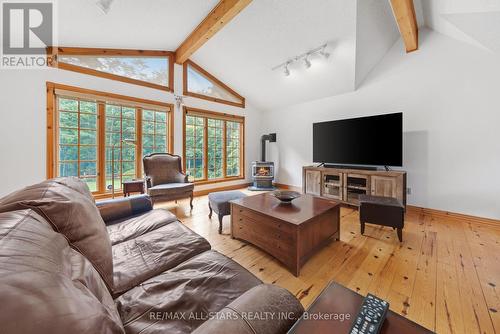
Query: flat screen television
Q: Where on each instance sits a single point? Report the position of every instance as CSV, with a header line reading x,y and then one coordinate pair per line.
x,y
368,141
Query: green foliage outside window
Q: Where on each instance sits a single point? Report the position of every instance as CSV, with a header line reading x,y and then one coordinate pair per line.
x,y
219,143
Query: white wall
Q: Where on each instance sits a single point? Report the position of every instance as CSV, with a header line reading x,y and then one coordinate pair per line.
x,y
448,92
23,120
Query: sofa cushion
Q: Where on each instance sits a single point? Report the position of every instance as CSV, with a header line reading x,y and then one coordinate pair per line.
x,y
135,226
150,254
72,214
263,309
181,299
170,189
45,285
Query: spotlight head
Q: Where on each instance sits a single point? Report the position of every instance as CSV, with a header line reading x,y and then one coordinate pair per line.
x,y
324,53
307,62
286,71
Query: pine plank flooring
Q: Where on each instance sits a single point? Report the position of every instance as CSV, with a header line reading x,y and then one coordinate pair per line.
x,y
445,275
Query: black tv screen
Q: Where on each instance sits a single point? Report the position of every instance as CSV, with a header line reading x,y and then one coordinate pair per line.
x,y
373,140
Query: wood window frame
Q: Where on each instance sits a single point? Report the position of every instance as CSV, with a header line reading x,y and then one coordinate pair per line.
x,y
198,68
53,52
225,117
101,99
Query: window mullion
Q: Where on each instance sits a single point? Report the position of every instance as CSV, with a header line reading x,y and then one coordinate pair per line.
x,y
101,149
224,155
138,142
205,149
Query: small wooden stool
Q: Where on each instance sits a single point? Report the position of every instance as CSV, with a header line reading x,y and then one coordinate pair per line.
x,y
385,211
132,186
219,202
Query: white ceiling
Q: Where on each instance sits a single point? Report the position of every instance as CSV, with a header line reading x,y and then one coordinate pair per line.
x,y
130,24
268,32
473,21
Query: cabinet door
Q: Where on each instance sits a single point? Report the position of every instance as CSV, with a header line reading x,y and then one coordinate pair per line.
x,y
383,186
313,182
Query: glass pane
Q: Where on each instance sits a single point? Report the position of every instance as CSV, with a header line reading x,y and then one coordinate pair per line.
x,y
90,107
68,136
88,168
148,140
128,153
189,130
128,168
189,120
147,150
161,116
88,121
200,84
88,137
88,153
161,128
68,105
92,183
113,124
112,110
68,169
112,139
68,153
128,125
118,183
128,112
148,115
148,127
149,69
160,140
116,168
68,120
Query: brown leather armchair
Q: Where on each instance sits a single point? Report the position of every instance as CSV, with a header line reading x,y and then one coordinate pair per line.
x,y
165,179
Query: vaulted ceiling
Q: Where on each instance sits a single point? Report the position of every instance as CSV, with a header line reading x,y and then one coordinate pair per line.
x,y
268,32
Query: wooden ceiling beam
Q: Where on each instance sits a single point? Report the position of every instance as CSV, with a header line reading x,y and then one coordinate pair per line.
x,y
224,12
404,12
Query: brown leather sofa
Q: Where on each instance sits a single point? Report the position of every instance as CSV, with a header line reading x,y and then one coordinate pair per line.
x,y
69,266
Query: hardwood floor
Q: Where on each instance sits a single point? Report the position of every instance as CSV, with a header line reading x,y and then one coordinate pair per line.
x,y
444,275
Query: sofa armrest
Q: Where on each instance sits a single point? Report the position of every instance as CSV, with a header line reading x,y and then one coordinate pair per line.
x,y
264,309
119,208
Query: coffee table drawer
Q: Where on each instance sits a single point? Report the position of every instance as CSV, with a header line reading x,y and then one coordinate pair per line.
x,y
272,233
268,222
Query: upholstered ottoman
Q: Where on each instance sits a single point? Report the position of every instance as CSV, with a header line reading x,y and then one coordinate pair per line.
x,y
385,211
219,202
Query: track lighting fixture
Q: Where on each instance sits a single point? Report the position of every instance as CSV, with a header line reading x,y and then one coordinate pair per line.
x,y
307,62
286,71
305,57
324,53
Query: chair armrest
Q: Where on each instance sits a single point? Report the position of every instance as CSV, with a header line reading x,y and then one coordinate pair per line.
x,y
119,208
264,309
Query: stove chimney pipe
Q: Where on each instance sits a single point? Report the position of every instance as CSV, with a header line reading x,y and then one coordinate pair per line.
x,y
271,138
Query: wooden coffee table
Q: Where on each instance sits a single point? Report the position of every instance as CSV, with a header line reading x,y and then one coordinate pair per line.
x,y
334,310
291,233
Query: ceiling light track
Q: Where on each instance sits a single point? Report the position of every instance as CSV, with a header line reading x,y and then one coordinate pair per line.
x,y
305,57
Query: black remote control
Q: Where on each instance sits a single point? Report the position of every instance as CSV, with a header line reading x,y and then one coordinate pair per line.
x,y
371,316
